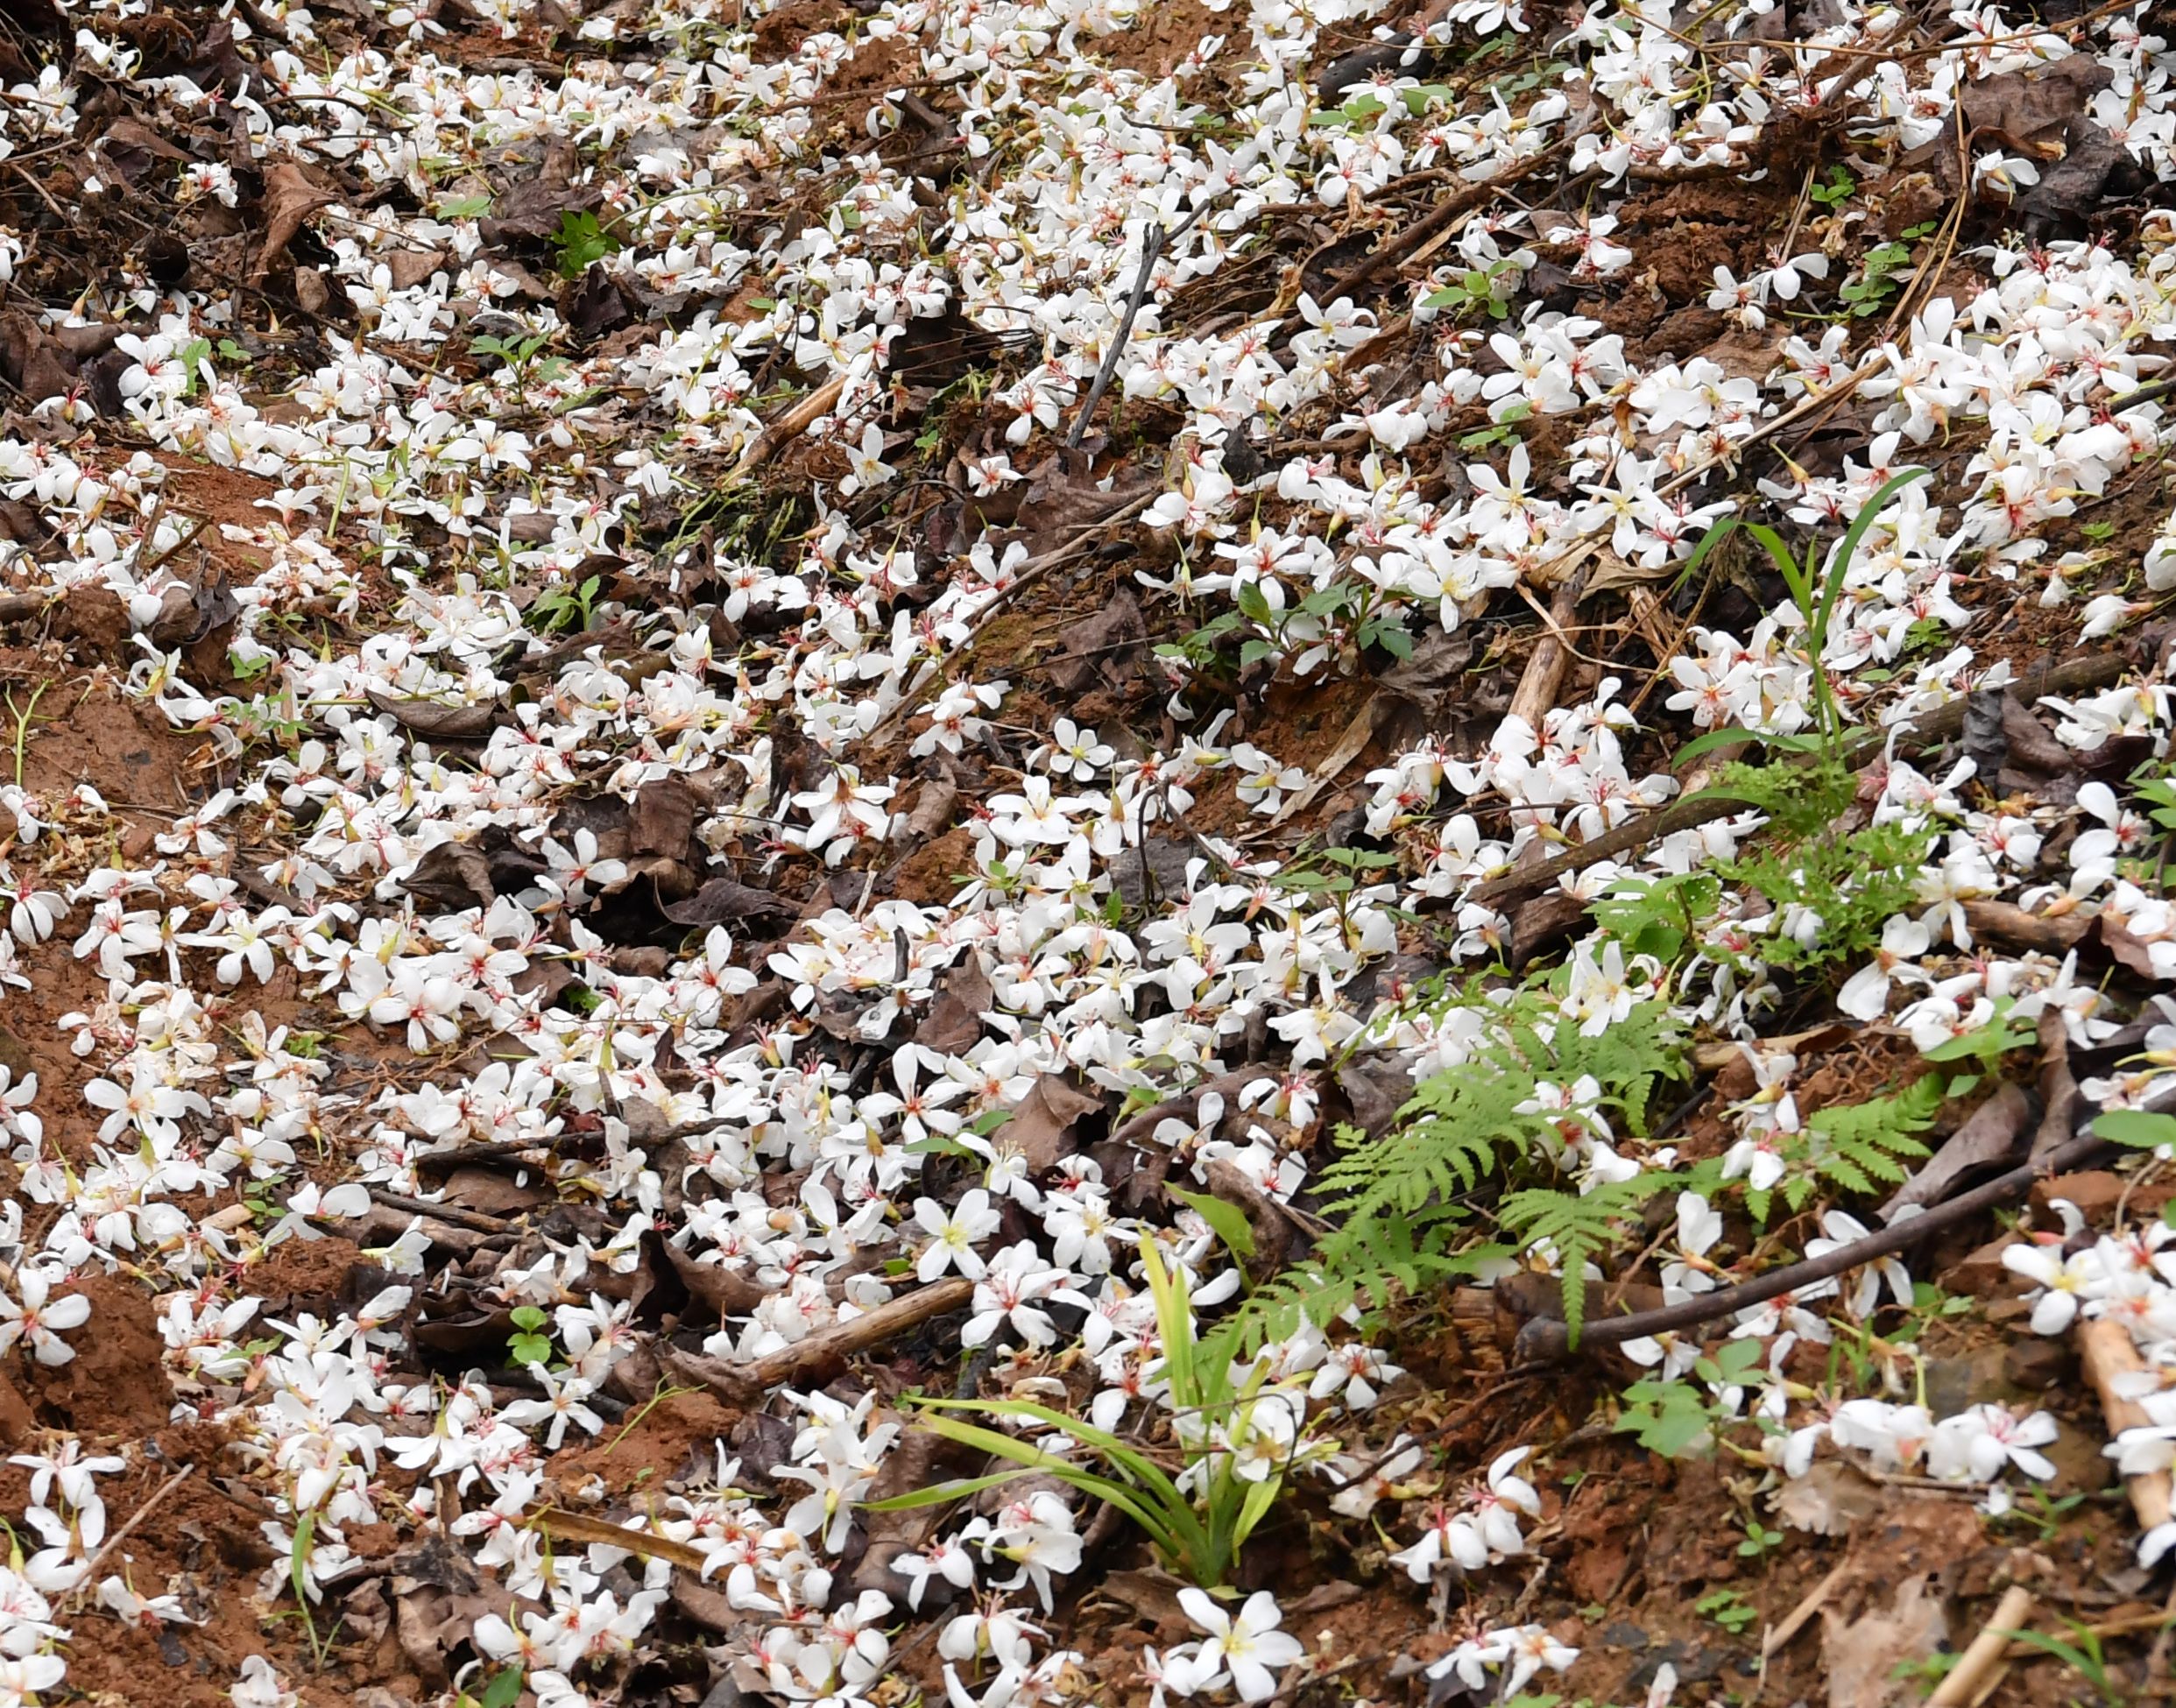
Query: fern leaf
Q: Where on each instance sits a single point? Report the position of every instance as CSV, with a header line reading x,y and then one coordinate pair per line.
x,y
1578,1228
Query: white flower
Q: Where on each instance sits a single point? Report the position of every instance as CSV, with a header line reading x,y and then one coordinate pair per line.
x,y
1978,1445
40,1319
1246,1646
1838,1230
260,1687
562,1404
954,1234
1012,1291
868,468
1865,994
2061,1282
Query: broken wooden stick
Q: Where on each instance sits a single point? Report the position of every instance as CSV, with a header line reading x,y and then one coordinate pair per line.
x,y
1988,1650
824,1353
1536,695
789,424
2105,1353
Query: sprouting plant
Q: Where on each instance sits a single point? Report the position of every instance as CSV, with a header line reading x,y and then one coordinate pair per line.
x,y
22,721
502,1689
1360,113
1479,290
1840,187
1815,592
1678,1419
299,1580
511,351
195,359
1759,1540
1502,430
1197,1518
529,1344
1929,1670
1728,1609
1335,874
2043,1511
580,240
2155,785
1879,277
564,606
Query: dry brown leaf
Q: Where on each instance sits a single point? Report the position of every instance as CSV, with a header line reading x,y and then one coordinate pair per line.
x,y
435,720
1042,1125
1832,1497
954,1023
1861,1657
290,198
563,1525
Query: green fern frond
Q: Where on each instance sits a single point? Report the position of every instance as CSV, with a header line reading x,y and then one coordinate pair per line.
x,y
1580,1228
1863,1147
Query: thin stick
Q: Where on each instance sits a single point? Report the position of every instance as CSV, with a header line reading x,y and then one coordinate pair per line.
x,y
475,1220
1151,252
157,1496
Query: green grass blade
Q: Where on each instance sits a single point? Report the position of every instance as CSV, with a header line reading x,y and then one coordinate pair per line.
x,y
1849,549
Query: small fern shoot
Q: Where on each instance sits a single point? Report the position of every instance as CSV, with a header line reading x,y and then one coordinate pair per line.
x,y
1862,1147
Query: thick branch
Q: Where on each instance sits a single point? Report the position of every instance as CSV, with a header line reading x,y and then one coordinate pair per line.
x,y
1544,1339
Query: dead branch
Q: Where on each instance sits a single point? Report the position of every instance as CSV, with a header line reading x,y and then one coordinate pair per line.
x,y
1543,1338
1987,1652
823,1354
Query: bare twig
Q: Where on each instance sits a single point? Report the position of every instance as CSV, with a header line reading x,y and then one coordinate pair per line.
x,y
823,1354
158,1499
1151,252
475,1220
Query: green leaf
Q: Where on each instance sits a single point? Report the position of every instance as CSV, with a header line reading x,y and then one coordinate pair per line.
x,y
2139,1128
937,1494
1227,1221
1260,1498
1997,1037
298,1555
503,1691
581,241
